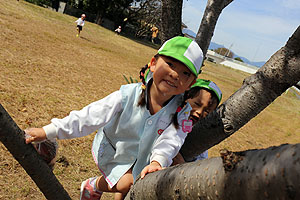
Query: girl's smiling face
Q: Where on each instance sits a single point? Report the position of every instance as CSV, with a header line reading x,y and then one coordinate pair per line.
x,y
170,76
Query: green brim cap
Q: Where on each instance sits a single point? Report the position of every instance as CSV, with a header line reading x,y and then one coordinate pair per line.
x,y
210,86
184,50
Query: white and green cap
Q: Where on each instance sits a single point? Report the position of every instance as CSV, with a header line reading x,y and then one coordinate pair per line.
x,y
210,86
184,50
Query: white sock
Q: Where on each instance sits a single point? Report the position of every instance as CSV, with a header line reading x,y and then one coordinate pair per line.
x,y
93,183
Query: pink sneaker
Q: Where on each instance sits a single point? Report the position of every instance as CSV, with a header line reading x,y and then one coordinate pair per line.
x,y
88,190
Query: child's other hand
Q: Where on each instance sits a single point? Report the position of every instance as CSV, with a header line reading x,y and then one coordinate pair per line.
x,y
35,135
154,166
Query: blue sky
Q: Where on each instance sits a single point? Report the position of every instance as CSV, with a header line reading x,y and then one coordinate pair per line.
x,y
255,29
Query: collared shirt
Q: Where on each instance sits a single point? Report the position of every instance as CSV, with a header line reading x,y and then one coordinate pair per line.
x,y
128,135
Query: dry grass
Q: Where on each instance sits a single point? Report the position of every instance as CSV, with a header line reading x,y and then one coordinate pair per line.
x,y
45,72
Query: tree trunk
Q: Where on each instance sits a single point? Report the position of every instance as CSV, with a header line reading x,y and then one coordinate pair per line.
x,y
98,19
259,90
211,14
261,175
171,11
271,173
13,139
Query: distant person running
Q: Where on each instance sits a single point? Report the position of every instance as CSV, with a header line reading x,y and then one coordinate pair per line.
x,y
154,30
118,30
80,23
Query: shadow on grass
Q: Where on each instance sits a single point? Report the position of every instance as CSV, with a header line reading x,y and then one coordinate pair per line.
x,y
84,38
142,41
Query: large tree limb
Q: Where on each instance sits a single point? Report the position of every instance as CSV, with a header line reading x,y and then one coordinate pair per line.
x,y
271,173
13,139
259,90
208,23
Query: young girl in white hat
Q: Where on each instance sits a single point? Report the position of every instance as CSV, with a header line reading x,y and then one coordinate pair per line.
x,y
80,23
130,121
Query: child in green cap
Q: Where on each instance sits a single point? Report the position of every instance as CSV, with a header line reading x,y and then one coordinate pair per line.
x,y
204,97
130,121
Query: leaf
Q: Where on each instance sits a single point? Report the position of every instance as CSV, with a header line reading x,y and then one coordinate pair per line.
x,y
126,79
131,79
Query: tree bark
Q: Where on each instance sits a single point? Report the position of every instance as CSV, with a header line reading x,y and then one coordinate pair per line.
x,y
259,90
211,14
13,139
171,11
261,175
271,173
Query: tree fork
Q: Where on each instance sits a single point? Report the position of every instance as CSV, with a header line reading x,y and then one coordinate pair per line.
x,y
271,173
13,139
259,90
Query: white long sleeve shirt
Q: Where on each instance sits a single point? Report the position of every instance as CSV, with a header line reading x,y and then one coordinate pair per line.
x,y
142,132
80,22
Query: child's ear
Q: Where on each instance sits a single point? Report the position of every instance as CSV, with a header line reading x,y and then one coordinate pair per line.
x,y
153,64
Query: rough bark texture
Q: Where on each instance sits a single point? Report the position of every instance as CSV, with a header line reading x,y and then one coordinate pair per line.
x,y
258,90
271,173
13,139
211,14
171,19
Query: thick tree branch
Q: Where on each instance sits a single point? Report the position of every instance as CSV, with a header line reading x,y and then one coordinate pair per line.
x,y
211,15
271,173
13,139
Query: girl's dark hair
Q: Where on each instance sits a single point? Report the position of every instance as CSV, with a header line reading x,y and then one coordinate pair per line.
x,y
195,90
142,100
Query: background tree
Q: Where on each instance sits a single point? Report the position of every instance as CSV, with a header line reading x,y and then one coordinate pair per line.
x,y
224,52
143,15
171,12
115,10
238,59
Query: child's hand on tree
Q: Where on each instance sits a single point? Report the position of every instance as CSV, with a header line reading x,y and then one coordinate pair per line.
x,y
35,135
154,166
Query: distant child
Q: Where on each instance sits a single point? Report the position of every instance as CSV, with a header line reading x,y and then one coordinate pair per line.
x,y
118,30
80,23
206,96
154,30
141,127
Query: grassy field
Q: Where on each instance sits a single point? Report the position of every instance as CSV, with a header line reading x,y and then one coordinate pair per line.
x,y
46,71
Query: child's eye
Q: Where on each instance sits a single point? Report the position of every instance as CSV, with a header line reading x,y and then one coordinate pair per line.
x,y
207,112
171,64
188,74
198,104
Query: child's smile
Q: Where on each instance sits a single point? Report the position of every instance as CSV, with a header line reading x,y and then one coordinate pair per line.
x,y
171,77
